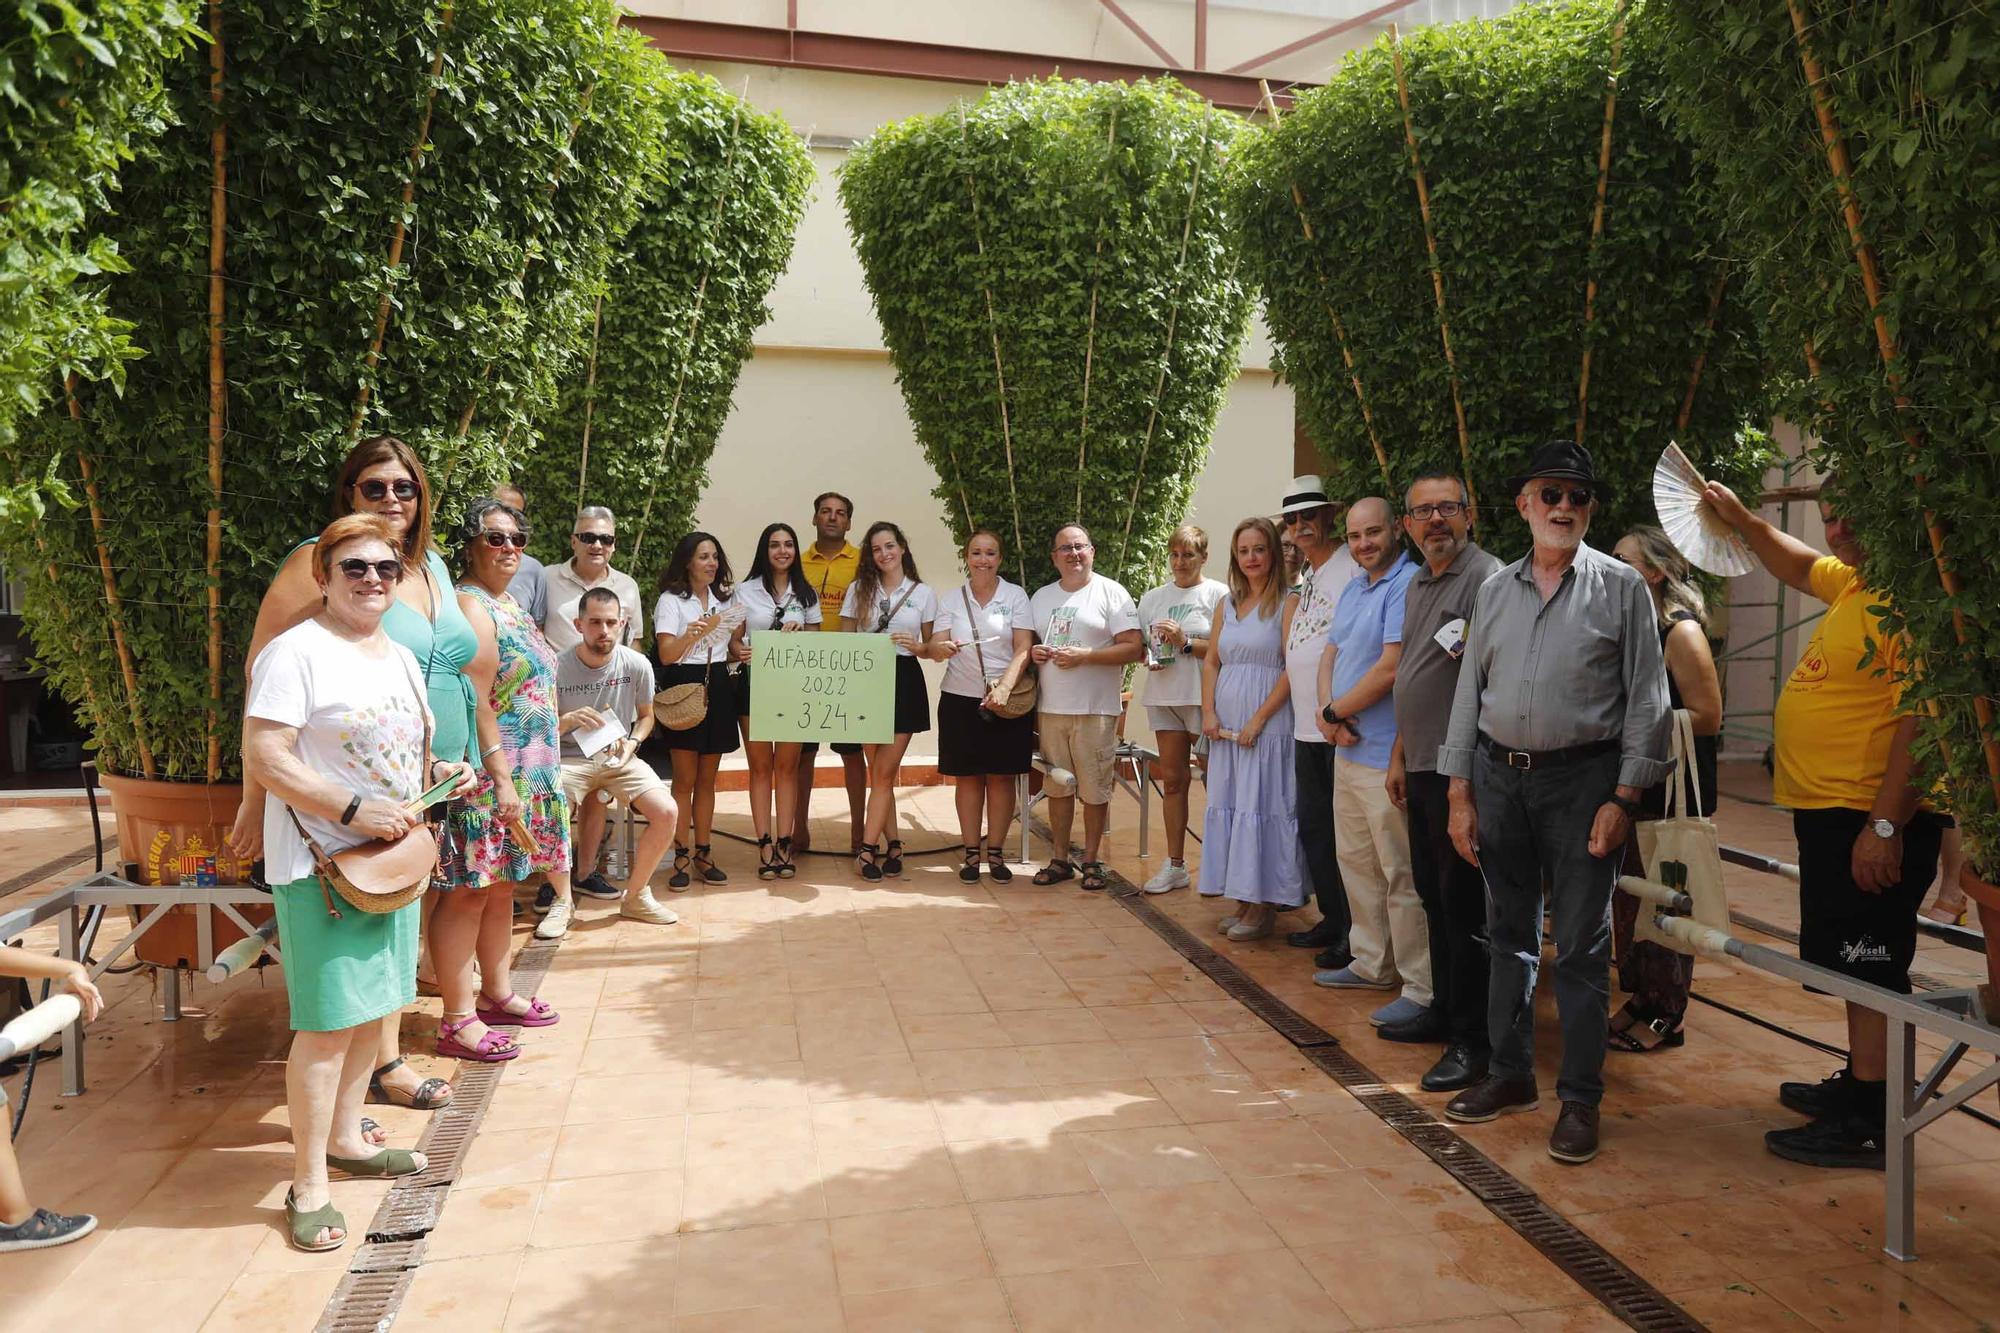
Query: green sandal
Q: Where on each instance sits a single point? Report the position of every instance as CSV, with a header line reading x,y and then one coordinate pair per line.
x,y
384,1165
305,1226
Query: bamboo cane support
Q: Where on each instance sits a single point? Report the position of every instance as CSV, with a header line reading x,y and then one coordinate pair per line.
x,y
218,386
1686,413
1090,335
1597,223
999,369
1333,316
112,603
1885,344
416,157
1437,269
1167,353
694,329
589,401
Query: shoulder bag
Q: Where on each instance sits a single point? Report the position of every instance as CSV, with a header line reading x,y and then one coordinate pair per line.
x,y
1681,850
679,707
1021,699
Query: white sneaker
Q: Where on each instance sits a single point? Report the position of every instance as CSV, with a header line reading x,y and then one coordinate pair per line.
x,y
555,924
643,906
1168,878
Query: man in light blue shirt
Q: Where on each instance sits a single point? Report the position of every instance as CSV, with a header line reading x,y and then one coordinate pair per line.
x,y
1390,937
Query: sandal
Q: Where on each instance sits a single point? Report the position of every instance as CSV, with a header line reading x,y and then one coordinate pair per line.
x,y
892,864
384,1165
969,872
1640,1035
866,857
495,1013
710,873
996,866
679,879
767,868
306,1227
1055,872
370,1131
490,1049
1095,880
431,1095
785,867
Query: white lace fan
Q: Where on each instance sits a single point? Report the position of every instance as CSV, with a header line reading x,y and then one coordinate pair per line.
x,y
1696,530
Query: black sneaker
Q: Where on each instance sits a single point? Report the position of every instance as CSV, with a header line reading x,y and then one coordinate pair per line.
x,y
45,1230
594,885
1847,1138
1833,1093
545,898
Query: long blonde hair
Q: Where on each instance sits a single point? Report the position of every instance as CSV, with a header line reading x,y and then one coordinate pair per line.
x,y
1274,583
1676,590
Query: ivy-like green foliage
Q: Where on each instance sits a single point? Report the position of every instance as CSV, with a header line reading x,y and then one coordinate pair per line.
x,y
78,85
684,295
1082,228
541,114
1915,92
1508,116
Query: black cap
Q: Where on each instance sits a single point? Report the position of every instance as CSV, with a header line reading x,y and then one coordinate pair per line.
x,y
1564,459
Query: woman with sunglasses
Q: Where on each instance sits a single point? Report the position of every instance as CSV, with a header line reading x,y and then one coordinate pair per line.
x,y
382,476
693,641
775,598
888,597
515,825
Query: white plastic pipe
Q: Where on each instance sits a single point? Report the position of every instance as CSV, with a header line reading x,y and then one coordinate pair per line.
x,y
1645,889
38,1024
1705,939
242,954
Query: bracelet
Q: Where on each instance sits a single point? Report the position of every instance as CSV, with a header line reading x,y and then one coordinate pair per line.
x,y
489,752
347,815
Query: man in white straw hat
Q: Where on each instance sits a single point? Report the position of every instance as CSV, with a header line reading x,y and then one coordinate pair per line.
x,y
1312,521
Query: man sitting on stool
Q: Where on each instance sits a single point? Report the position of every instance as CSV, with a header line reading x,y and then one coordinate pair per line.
x,y
597,681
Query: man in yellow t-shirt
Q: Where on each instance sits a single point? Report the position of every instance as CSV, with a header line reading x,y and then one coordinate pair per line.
x,y
1867,850
829,564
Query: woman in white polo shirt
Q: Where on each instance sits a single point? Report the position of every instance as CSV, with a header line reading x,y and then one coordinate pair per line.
x,y
774,598
693,643
887,597
1176,617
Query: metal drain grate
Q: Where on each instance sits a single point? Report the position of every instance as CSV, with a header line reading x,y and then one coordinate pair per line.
x,y
389,1256
407,1214
365,1302
1590,1266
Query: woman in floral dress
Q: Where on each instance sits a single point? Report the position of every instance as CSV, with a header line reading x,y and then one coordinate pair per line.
x,y
500,835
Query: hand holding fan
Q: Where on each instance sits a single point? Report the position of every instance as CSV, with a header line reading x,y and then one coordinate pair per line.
x,y
1694,528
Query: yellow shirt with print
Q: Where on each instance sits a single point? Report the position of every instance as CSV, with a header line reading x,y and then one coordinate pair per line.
x,y
1835,718
829,577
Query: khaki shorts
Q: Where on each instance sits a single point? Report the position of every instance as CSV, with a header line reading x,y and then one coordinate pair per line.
x,y
1087,745
627,782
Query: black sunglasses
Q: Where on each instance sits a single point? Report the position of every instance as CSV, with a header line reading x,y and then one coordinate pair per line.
x,y
356,569
595,538
1579,497
497,539
377,489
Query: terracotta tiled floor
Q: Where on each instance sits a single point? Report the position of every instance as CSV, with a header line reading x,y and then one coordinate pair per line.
x,y
927,1105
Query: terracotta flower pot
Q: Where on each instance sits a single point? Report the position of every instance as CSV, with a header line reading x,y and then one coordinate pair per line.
x,y
1987,898
166,832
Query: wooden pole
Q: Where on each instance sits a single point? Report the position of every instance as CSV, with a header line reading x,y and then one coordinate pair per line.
x,y
1437,269
1090,335
1597,222
1886,346
218,386
113,605
1686,413
589,401
416,158
999,369
1333,316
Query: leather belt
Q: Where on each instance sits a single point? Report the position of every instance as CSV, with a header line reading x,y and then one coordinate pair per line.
x,y
1527,760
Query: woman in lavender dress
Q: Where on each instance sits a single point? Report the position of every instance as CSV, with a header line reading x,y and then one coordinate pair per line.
x,y
1250,837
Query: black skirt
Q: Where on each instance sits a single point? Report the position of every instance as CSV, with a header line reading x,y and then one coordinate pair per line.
x,y
913,699
971,746
716,732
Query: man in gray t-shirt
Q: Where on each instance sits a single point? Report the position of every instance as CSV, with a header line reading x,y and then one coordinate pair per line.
x,y
529,586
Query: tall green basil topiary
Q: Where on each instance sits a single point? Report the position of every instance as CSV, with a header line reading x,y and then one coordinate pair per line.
x,y
1056,278
1907,378
1509,119
640,410
383,216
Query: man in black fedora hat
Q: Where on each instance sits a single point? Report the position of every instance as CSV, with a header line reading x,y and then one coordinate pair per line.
x,y
1559,722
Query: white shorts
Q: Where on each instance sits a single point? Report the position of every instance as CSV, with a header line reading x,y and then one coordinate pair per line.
x,y
1085,744
1174,717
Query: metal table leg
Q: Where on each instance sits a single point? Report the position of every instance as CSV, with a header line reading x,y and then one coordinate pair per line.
x,y
68,924
1900,1146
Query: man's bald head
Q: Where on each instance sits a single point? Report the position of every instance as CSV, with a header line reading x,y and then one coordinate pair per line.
x,y
1371,534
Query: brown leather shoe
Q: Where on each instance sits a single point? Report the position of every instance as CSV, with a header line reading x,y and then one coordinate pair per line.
x,y
1574,1139
1491,1098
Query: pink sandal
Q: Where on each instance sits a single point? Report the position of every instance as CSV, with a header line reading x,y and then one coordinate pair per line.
x,y
492,1048
495,1013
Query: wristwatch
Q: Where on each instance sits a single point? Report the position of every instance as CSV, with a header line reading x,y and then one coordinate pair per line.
x,y
347,815
1884,829
1333,719
1630,807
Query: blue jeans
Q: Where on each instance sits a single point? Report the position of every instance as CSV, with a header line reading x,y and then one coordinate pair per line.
x,y
1534,829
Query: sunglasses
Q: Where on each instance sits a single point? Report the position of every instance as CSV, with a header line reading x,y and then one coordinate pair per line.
x,y
1449,509
595,538
497,539
357,569
1579,497
377,489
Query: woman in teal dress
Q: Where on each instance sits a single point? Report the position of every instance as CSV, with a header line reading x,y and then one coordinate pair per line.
x,y
382,476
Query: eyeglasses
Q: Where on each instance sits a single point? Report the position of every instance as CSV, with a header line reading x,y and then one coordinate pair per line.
x,y
1445,509
595,538
356,569
376,489
1074,548
497,539
1579,498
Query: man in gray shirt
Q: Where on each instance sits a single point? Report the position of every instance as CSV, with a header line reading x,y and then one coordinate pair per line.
x,y
1437,516
529,585
1558,723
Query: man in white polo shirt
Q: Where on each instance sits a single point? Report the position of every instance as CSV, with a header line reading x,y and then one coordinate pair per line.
x,y
592,539
1086,630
